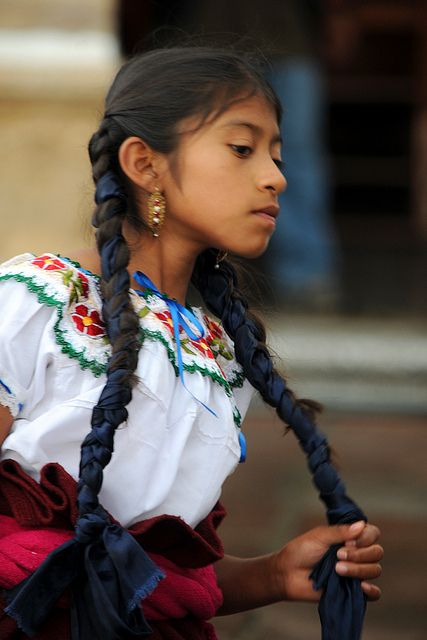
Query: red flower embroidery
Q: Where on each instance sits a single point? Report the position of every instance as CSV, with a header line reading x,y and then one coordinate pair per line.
x,y
215,339
203,347
166,319
200,345
47,263
88,321
84,284
214,330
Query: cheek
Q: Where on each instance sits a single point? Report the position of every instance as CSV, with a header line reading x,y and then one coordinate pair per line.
x,y
210,186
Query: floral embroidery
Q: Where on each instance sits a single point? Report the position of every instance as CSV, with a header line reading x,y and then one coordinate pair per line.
x,y
74,279
78,285
215,337
48,263
199,345
88,321
80,331
189,346
166,320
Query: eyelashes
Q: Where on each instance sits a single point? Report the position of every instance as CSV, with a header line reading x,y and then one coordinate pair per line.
x,y
242,150
245,151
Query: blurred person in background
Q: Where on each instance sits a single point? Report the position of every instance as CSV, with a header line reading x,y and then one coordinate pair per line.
x,y
295,36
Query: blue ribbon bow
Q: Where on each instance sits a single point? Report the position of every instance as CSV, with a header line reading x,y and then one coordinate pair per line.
x,y
179,316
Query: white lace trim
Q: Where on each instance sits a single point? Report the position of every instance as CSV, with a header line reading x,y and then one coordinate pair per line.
x,y
9,400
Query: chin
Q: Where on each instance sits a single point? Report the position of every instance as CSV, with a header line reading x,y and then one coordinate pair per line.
x,y
253,252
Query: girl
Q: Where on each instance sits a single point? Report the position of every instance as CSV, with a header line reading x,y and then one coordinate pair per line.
x,y
108,380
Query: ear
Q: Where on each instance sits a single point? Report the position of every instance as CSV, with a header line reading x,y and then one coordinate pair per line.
x,y
139,163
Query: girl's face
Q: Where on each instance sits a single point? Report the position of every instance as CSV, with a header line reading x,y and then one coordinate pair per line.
x,y
224,189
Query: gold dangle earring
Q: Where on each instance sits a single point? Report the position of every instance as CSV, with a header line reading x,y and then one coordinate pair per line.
x,y
156,204
220,256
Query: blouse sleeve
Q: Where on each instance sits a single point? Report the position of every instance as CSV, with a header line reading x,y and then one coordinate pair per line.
x,y
23,323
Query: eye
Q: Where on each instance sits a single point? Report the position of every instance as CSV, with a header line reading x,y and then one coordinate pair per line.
x,y
241,150
279,164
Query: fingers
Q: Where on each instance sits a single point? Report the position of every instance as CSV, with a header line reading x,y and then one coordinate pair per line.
x,y
358,534
340,533
374,553
368,536
360,555
362,561
371,591
363,571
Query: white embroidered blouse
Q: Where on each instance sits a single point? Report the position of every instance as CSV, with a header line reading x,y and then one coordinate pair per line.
x,y
171,456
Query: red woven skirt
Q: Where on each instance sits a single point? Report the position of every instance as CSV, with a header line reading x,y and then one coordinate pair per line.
x,y
51,504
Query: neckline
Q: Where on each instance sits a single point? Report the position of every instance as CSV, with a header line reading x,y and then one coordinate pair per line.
x,y
137,292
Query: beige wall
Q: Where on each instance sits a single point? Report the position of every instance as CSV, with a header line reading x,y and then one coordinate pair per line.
x,y
65,14
44,175
48,110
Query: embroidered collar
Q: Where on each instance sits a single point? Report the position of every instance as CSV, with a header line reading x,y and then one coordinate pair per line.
x,y
180,317
80,332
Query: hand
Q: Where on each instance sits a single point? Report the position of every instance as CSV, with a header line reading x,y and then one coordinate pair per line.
x,y
358,558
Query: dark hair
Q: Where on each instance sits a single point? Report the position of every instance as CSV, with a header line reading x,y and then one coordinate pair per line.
x,y
150,96
154,92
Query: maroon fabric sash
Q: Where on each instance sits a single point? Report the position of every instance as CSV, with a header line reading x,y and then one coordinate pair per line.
x,y
37,517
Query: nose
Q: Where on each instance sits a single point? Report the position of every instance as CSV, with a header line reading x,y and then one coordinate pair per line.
x,y
272,178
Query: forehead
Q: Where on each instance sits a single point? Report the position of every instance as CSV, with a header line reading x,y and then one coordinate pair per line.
x,y
254,113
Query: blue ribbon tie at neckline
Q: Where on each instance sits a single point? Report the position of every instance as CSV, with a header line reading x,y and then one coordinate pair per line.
x,y
179,316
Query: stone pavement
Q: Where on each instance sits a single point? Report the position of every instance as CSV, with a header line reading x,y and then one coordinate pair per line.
x,y
270,499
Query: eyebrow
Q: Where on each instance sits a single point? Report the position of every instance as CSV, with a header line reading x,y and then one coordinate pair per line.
x,y
253,127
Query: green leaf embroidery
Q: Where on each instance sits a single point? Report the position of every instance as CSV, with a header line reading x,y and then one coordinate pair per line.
x,y
86,361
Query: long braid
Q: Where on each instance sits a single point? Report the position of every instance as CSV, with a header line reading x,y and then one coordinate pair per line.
x,y
107,571
122,327
219,289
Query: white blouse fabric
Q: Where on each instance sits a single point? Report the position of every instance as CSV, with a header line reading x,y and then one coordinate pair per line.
x,y
171,456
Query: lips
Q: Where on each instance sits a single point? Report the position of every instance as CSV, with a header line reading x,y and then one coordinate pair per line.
x,y
272,211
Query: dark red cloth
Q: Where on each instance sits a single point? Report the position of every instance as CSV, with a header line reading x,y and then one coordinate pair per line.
x,y
184,591
181,592
37,517
22,550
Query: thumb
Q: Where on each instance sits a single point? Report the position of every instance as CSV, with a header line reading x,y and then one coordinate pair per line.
x,y
343,532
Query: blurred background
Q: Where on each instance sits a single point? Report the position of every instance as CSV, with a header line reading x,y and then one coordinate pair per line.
x,y
344,281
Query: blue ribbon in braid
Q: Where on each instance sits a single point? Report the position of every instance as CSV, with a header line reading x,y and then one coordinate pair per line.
x,y
106,570
108,187
342,605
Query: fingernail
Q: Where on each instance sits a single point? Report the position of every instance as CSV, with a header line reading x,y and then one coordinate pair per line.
x,y
357,526
341,568
342,554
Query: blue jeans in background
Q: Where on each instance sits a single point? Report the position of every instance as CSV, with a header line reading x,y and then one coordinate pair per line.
x,y
303,253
